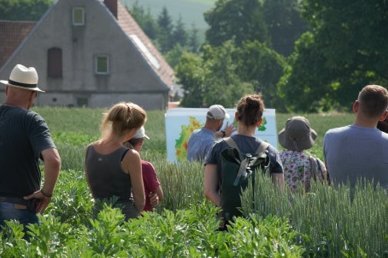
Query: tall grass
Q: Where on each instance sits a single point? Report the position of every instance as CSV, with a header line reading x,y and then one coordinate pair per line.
x,y
336,221
182,184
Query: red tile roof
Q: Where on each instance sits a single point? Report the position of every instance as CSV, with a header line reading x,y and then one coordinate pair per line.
x,y
12,34
130,27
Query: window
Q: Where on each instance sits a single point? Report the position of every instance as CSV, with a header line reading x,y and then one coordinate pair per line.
x,y
78,16
144,50
54,63
102,64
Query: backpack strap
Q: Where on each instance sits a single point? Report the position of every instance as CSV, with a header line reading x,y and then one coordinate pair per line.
x,y
262,147
232,143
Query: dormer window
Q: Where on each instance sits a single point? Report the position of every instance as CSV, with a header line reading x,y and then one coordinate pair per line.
x,y
78,16
102,64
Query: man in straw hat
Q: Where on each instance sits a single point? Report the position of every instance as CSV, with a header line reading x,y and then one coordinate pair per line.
x,y
360,150
201,140
24,139
299,166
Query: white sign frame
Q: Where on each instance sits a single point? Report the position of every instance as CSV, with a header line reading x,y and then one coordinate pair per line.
x,y
179,123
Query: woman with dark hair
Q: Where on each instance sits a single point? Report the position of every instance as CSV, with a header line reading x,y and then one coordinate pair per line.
x,y
249,117
113,171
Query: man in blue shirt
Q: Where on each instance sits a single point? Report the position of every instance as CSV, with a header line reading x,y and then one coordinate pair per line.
x,y
25,139
203,139
360,150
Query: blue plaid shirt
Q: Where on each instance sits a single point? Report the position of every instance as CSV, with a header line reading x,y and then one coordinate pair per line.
x,y
200,142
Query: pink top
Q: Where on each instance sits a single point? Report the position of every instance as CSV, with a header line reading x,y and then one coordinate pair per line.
x,y
151,182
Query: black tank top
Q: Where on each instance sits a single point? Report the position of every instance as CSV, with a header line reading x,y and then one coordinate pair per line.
x,y
105,175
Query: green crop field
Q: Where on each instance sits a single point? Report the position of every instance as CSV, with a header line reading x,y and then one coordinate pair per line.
x,y
327,222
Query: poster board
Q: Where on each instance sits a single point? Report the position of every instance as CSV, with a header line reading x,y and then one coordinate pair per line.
x,y
181,122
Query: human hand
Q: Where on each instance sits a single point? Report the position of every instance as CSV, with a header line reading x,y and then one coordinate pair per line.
x,y
229,130
42,200
154,199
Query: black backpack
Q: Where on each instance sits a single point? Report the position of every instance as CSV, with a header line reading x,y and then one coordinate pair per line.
x,y
236,171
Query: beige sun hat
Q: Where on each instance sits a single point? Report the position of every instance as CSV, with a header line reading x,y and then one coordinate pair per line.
x,y
297,134
23,78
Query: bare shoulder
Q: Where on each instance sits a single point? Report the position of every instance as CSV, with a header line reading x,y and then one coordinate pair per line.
x,y
131,155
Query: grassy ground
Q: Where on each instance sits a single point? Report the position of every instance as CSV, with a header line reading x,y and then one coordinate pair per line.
x,y
82,125
74,128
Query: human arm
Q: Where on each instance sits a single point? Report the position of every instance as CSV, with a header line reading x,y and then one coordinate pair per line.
x,y
152,182
132,165
211,184
278,180
276,167
52,166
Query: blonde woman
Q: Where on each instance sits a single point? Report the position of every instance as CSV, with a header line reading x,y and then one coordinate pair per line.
x,y
113,171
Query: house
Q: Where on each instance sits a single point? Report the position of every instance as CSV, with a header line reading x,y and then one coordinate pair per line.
x,y
90,53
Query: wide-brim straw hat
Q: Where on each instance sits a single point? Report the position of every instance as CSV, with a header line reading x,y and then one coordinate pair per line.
x,y
297,134
23,78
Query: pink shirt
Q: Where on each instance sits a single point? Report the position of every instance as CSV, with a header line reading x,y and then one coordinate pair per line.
x,y
151,182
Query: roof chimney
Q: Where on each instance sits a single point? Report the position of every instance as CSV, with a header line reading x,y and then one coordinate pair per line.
x,y
112,6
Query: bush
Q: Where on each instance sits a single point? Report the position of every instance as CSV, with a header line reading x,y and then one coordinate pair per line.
x,y
184,233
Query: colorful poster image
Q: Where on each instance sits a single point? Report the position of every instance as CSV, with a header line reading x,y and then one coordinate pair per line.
x,y
181,122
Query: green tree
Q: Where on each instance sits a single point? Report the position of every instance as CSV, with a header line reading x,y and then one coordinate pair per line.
x,y
165,30
284,24
191,75
298,88
145,20
179,35
211,77
173,56
344,51
263,67
25,10
238,20
223,84
193,41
